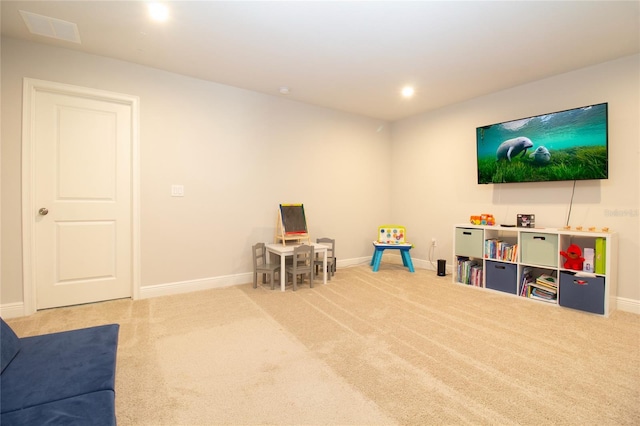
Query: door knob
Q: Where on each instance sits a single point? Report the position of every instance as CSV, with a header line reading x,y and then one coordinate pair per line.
x,y
43,211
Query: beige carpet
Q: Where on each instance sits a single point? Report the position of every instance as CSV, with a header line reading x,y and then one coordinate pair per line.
x,y
367,349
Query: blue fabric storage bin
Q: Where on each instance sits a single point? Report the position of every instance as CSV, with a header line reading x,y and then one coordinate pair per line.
x,y
583,293
501,276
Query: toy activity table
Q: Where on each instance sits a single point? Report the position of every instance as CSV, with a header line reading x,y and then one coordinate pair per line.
x,y
391,237
379,248
284,251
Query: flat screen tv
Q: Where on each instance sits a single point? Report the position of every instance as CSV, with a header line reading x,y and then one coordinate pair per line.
x,y
563,145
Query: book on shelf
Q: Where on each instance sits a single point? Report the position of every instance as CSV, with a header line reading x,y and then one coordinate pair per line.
x,y
514,253
539,294
545,287
527,279
600,255
489,248
548,280
546,283
500,250
469,271
476,276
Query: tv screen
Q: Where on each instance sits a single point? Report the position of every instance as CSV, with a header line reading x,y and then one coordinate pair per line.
x,y
563,145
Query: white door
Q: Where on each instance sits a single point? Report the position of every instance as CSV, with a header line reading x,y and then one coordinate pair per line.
x,y
81,197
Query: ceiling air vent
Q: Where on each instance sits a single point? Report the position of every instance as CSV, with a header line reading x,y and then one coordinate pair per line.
x,y
51,27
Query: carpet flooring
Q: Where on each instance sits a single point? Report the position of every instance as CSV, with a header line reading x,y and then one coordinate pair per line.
x,y
385,348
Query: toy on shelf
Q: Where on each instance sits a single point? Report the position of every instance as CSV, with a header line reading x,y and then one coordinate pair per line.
x,y
573,258
483,219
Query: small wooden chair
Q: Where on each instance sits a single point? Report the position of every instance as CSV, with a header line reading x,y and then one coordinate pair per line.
x,y
262,266
331,256
302,264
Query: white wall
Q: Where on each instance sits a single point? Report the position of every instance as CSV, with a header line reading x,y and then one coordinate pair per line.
x,y
238,154
436,186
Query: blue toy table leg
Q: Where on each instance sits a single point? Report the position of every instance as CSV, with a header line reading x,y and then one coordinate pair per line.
x,y
406,260
404,253
375,260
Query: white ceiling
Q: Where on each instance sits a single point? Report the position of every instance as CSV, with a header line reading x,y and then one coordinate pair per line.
x,y
353,56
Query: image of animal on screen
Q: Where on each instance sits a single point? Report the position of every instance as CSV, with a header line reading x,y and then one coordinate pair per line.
x,y
565,145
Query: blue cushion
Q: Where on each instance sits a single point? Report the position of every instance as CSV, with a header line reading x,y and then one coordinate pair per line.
x,y
93,409
58,366
9,344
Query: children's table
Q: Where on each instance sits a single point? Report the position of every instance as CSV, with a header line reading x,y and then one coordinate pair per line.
x,y
379,248
283,251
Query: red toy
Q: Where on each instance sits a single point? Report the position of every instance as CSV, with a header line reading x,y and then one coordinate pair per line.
x,y
573,258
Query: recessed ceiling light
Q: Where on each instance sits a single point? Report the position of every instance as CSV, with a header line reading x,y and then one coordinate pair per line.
x,y
158,12
408,91
284,90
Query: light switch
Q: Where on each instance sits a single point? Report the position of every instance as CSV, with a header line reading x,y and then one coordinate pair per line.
x,y
177,190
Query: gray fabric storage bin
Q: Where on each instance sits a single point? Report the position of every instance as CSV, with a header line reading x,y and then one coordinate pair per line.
x,y
469,242
539,249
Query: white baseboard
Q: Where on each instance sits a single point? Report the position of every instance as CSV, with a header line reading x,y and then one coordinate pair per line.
x,y
168,289
14,310
353,262
426,264
628,305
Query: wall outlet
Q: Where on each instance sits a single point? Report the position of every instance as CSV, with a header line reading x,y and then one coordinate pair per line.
x,y
433,242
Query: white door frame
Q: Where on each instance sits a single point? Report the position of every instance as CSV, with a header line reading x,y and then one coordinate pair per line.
x,y
30,88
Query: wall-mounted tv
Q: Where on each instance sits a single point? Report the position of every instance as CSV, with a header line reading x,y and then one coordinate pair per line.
x,y
563,145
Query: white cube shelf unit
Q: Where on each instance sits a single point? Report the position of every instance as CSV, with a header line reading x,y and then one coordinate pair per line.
x,y
526,262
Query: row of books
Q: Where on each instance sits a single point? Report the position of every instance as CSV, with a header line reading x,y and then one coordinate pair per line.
x,y
500,250
544,287
469,271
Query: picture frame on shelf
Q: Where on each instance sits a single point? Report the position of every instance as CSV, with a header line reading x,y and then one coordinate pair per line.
x,y
526,220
